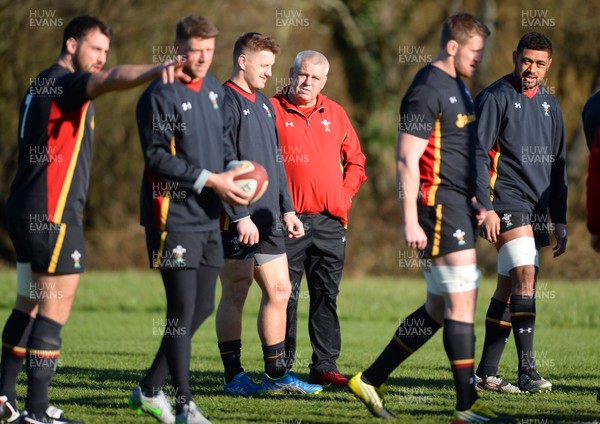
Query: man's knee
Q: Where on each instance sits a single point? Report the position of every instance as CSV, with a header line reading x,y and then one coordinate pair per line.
x,y
236,282
518,253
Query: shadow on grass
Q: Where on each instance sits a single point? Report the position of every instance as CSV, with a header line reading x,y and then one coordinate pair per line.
x,y
108,389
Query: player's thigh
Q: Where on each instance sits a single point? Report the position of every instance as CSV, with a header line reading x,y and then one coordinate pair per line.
x,y
456,278
236,276
273,278
518,256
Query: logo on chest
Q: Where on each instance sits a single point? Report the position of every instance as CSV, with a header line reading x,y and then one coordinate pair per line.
x,y
213,99
546,108
266,108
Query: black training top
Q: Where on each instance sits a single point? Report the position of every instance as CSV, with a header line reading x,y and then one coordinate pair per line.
x,y
250,121
56,126
439,108
182,134
524,133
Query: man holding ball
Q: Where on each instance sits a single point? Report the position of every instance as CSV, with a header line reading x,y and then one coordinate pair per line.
x,y
254,237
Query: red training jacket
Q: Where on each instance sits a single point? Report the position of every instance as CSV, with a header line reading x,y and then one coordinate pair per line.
x,y
321,153
591,126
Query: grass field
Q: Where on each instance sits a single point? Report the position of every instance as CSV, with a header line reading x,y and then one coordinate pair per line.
x,y
115,328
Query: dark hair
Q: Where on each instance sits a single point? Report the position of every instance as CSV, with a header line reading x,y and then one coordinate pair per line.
x,y
195,26
81,25
535,41
254,42
460,27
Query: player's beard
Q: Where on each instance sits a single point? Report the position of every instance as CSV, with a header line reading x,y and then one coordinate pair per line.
x,y
80,67
529,85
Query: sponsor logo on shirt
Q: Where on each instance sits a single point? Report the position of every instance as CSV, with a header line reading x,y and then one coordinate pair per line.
x,y
326,124
463,120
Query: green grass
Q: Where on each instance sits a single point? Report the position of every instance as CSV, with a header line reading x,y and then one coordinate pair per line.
x,y
111,339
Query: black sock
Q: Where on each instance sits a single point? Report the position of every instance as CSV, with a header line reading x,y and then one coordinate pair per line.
x,y
274,359
412,333
231,353
206,278
522,315
154,379
497,330
14,346
459,342
43,350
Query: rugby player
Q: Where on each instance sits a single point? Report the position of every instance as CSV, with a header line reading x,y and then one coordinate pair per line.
x,y
182,188
45,207
436,178
254,236
524,178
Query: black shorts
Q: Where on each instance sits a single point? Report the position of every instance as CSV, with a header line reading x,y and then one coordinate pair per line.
x,y
509,220
183,250
50,248
268,244
449,228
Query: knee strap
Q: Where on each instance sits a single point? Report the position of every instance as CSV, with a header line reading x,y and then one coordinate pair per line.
x,y
24,279
454,279
518,252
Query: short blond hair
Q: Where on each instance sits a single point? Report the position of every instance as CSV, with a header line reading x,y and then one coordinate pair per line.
x,y
252,42
460,27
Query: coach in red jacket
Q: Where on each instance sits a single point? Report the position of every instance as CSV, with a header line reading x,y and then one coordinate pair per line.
x,y
325,168
591,126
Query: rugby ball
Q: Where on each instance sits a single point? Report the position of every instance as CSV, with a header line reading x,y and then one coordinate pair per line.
x,y
253,179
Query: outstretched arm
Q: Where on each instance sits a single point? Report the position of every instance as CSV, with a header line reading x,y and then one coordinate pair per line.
x,y
127,76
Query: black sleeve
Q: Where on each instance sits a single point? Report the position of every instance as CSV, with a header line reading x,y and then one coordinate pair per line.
x,y
558,178
489,115
419,111
160,146
285,198
73,90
